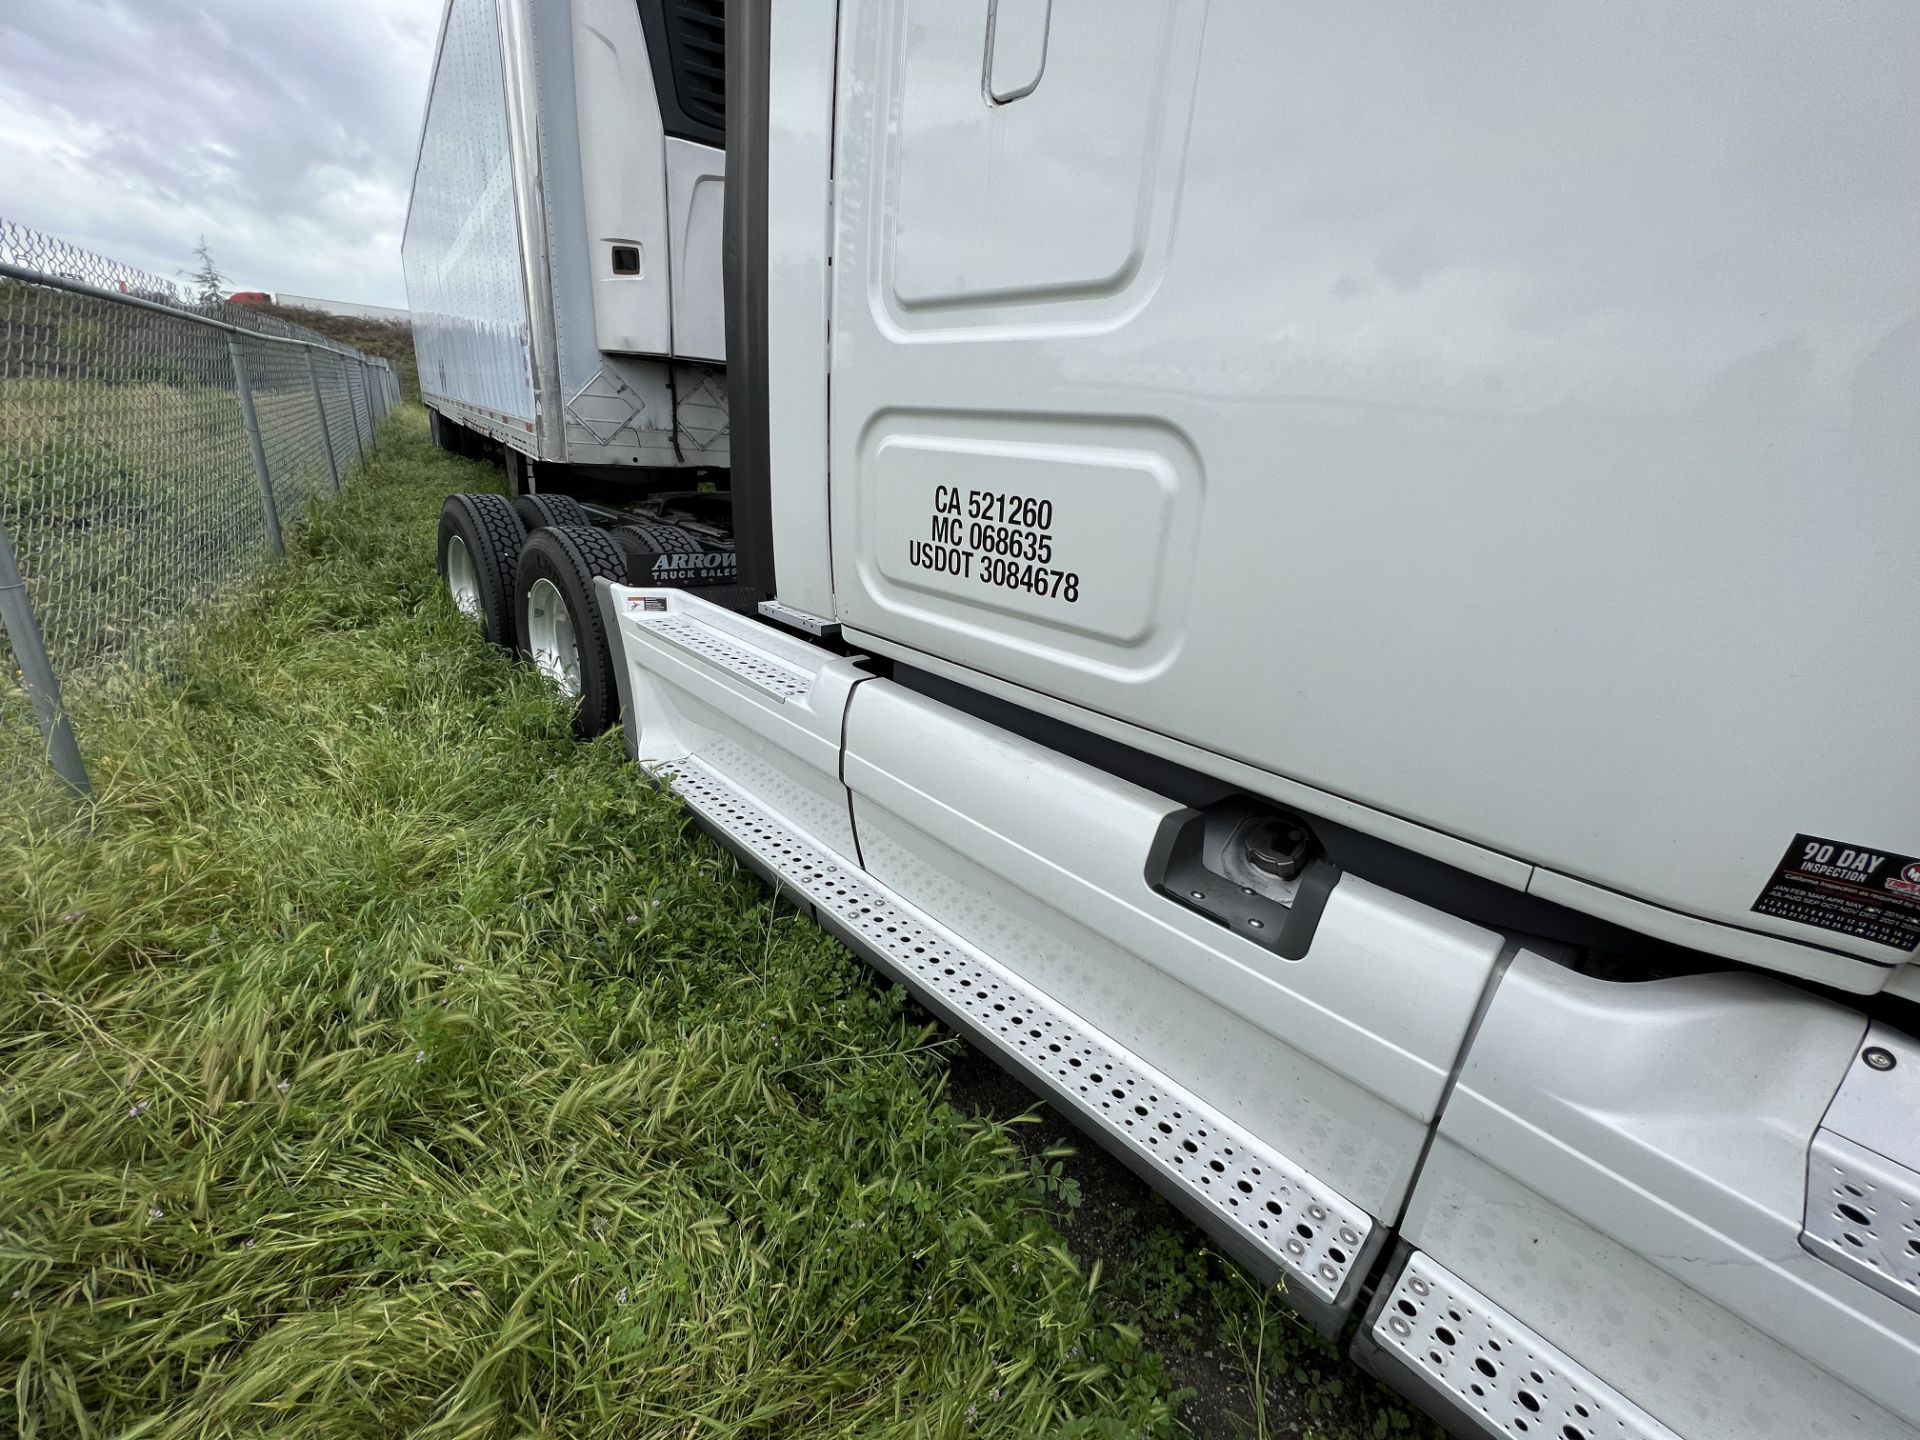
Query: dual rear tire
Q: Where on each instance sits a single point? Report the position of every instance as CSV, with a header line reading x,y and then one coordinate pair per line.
x,y
550,510
480,540
534,593
557,610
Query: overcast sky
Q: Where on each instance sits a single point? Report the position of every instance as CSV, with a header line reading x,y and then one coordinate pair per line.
x,y
283,129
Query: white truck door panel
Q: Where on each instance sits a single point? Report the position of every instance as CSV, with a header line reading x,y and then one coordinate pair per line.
x,y
1082,169
1504,422
1074,167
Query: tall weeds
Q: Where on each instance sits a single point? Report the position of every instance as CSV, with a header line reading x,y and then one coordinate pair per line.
x,y
375,1061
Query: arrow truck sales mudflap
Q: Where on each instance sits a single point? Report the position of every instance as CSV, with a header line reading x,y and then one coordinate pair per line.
x,y
1540,1202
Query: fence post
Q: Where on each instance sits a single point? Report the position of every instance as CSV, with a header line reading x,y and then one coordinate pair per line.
x,y
366,399
320,409
346,378
245,387
36,669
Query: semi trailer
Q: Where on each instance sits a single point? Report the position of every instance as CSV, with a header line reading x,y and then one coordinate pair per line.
x,y
562,240
1332,586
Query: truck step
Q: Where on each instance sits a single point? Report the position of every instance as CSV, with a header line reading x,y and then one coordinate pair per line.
x,y
749,664
1272,1215
1863,1170
1502,1374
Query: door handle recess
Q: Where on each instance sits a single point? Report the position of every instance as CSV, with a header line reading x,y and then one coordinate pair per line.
x,y
1016,48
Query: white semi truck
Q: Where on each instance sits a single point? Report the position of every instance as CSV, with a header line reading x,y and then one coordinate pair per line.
x,y
1335,586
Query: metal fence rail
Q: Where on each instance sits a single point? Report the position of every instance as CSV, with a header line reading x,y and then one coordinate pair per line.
x,y
151,450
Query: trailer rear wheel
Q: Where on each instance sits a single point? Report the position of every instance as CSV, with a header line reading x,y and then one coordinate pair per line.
x,y
558,614
480,539
551,511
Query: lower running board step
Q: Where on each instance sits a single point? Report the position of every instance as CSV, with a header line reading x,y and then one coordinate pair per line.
x,y
1275,1218
1503,1375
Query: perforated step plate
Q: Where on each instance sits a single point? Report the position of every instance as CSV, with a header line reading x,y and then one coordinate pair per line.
x,y
1863,1216
1252,1197
1863,1170
754,666
1495,1368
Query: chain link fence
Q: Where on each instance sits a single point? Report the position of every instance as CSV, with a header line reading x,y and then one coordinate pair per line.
x,y
152,449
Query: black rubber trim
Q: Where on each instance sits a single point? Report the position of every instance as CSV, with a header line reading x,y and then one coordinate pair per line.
x,y
536,511
690,76
573,557
493,536
745,246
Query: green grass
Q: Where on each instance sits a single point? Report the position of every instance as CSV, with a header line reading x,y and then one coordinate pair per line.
x,y
377,1061
380,1062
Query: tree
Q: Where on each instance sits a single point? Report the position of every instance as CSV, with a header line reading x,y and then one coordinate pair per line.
x,y
207,280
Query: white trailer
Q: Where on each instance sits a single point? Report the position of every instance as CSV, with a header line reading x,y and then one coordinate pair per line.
x,y
1349,619
562,240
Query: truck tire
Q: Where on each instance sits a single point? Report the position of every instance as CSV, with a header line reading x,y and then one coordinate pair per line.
x,y
480,539
659,534
551,511
557,614
443,431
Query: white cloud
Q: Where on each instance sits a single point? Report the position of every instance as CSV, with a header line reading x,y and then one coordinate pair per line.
x,y
283,131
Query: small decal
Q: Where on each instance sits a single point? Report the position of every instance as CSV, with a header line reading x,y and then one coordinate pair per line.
x,y
646,602
1851,889
995,538
704,567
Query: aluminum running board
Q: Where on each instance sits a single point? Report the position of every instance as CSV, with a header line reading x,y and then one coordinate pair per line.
x,y
1493,1371
1273,1217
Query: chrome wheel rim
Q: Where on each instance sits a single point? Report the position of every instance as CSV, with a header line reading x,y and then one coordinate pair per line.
x,y
550,637
462,579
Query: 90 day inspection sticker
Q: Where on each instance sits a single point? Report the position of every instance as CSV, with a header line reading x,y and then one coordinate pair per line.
x,y
1851,889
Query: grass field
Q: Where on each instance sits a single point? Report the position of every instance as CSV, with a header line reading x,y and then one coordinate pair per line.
x,y
379,1062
